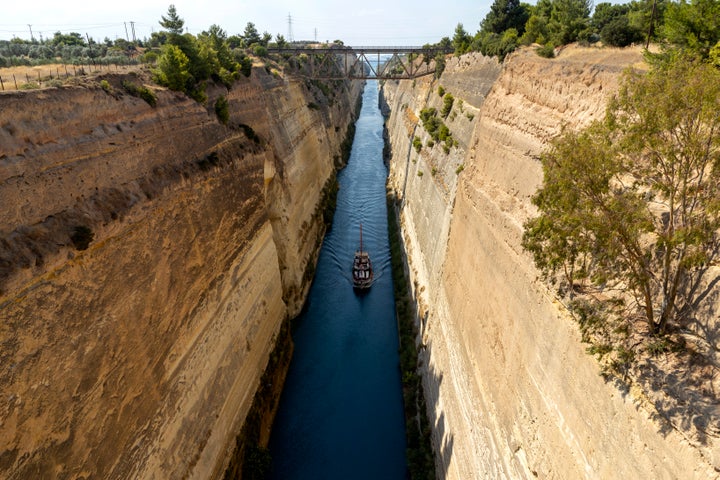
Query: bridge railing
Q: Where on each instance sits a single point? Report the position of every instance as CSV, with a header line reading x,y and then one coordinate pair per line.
x,y
357,63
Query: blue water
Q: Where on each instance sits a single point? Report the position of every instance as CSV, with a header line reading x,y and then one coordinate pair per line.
x,y
341,411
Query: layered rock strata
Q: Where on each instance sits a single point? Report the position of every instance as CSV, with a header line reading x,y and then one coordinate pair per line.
x,y
148,258
511,391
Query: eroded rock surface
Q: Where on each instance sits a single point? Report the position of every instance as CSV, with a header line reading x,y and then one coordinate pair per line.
x,y
511,390
148,257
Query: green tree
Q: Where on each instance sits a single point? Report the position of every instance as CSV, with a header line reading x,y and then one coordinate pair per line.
x,y
693,26
568,19
172,22
251,35
504,15
461,40
630,205
280,41
619,33
172,68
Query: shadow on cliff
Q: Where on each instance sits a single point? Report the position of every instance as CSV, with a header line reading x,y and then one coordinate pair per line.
x,y
681,382
442,439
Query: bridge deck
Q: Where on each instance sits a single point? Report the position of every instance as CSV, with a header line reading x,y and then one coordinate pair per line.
x,y
342,62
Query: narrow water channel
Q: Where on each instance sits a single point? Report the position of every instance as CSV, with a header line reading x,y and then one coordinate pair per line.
x,y
341,411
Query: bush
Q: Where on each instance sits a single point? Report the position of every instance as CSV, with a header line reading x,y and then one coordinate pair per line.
x,y
140,92
619,33
222,110
105,85
441,91
417,143
447,105
546,51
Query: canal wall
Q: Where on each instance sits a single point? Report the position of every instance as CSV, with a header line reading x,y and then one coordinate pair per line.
x,y
148,258
510,389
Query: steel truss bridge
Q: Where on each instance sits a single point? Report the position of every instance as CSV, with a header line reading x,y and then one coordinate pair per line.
x,y
365,63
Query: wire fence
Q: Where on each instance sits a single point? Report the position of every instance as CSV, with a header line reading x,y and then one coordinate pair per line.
x,y
45,76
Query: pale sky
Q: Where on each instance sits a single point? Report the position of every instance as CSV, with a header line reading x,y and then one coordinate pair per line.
x,y
367,22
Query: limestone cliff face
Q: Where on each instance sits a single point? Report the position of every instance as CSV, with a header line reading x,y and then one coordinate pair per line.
x,y
138,357
511,390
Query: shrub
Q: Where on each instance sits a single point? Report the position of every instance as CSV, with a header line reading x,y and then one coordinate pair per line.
x,y
441,91
417,143
546,51
447,105
221,110
140,92
105,85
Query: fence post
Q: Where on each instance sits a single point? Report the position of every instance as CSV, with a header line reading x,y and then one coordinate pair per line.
x,y
15,80
2,84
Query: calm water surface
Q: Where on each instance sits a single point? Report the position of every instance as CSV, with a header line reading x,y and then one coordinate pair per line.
x,y
341,412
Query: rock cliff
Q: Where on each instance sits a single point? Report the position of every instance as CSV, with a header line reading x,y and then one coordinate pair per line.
x,y
511,391
148,258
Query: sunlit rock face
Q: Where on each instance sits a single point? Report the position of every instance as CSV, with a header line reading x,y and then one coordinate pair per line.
x,y
148,257
511,391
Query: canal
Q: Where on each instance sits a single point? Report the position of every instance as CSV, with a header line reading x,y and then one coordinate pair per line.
x,y
341,411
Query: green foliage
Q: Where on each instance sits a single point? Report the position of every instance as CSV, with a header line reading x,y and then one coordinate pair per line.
x,y
630,205
498,45
140,92
419,452
547,50
461,40
535,30
693,26
222,110
568,18
173,68
459,169
417,144
441,91
172,22
105,85
505,15
619,33
448,101
251,35
435,127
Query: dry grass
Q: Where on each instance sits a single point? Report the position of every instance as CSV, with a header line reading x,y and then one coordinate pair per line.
x,y
43,76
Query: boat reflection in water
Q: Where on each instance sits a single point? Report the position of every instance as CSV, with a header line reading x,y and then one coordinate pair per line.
x,y
362,268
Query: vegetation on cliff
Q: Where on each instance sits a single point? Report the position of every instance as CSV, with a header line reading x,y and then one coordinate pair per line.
x,y
417,427
630,212
693,25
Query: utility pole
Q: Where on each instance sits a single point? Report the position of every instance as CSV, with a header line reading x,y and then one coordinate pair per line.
x,y
650,29
132,29
316,35
31,35
127,37
290,32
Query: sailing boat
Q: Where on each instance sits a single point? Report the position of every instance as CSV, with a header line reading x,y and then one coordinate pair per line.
x,y
362,268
